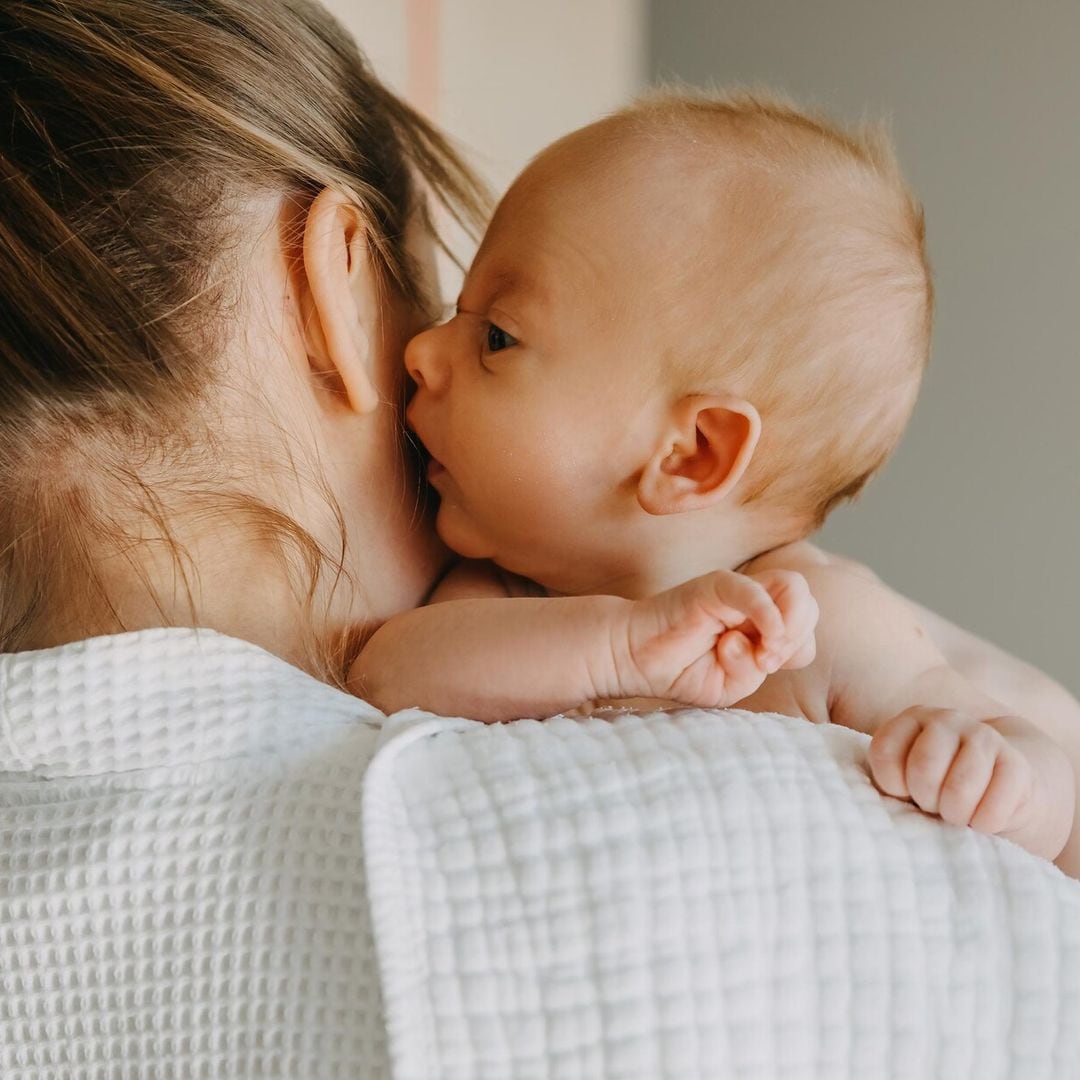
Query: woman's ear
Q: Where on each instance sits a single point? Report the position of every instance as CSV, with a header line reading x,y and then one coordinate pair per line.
x,y
340,304
703,453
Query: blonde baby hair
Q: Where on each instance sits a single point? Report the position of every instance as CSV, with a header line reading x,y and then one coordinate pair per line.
x,y
828,334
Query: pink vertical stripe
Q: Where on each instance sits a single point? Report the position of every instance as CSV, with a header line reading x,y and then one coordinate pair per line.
x,y
422,55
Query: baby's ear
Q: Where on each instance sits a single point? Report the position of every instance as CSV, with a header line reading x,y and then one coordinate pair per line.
x,y
702,454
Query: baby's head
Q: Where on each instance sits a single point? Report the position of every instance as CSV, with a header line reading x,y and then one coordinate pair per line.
x,y
691,330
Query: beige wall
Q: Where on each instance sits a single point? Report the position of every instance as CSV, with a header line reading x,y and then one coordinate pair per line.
x,y
512,75
979,513
502,77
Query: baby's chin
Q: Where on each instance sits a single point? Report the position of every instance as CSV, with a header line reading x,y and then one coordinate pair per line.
x,y
461,536
459,532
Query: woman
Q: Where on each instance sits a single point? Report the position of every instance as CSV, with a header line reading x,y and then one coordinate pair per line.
x,y
213,247
166,253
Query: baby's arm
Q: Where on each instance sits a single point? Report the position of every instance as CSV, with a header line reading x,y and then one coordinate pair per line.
x,y
1004,677
936,739
998,674
710,641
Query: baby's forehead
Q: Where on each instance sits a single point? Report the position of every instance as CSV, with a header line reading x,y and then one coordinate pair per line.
x,y
709,222
670,195
616,178
561,232
607,206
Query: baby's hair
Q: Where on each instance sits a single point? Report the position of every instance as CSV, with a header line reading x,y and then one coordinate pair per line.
x,y
831,334
132,135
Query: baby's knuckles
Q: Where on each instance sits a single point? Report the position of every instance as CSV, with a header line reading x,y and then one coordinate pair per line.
x,y
972,773
911,749
954,765
889,750
683,644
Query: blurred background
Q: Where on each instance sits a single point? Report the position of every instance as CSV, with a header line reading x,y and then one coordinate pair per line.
x,y
978,514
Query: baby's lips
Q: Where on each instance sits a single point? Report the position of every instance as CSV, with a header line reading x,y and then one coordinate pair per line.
x,y
410,423
418,432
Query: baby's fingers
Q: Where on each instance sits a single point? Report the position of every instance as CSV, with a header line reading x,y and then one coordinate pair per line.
x,y
799,615
1009,788
929,760
910,755
954,766
969,776
742,675
803,656
751,604
888,754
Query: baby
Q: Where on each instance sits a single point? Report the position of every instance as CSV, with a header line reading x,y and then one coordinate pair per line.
x,y
690,331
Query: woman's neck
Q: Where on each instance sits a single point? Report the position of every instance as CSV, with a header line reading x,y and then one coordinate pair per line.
x,y
240,595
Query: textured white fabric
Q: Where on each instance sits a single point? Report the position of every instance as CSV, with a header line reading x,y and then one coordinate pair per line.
x,y
185,822
701,895
181,874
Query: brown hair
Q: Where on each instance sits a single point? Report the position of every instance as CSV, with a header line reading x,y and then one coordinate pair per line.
x,y
128,130
830,336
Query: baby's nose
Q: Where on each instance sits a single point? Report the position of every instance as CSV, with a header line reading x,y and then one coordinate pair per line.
x,y
425,360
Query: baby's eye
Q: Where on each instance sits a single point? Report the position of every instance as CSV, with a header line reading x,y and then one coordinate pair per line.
x,y
498,339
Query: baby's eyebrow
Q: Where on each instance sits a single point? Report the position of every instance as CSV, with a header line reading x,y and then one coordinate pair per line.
x,y
512,280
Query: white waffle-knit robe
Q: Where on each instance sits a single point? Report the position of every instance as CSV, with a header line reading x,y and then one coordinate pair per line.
x,y
181,866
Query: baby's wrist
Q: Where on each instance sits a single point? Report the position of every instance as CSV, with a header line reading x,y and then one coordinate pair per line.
x,y
608,655
619,673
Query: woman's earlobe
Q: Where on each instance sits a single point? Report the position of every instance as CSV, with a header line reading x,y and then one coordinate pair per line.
x,y
340,307
704,453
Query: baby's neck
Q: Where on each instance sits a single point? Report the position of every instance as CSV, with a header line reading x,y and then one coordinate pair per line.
x,y
686,550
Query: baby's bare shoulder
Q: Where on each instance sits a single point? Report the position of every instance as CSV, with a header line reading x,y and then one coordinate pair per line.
x,y
845,590
845,594
809,558
996,673
867,636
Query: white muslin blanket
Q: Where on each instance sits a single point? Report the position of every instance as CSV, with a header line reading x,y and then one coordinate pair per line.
x,y
701,895
214,866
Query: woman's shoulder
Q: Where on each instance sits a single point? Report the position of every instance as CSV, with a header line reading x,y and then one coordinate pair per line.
x,y
168,796
161,698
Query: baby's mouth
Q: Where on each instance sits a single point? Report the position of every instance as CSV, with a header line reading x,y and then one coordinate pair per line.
x,y
429,464
418,443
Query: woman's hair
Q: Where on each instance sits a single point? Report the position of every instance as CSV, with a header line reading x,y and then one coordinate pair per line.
x,y
131,134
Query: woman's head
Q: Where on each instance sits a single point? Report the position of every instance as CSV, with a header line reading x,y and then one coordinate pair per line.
x,y
210,258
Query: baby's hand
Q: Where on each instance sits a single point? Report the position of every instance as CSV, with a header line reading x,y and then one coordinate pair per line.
x,y
958,767
713,641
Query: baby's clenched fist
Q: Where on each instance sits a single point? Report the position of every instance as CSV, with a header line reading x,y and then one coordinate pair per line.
x,y
957,767
714,640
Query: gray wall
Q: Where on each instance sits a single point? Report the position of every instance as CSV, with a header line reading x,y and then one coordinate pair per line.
x,y
978,514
